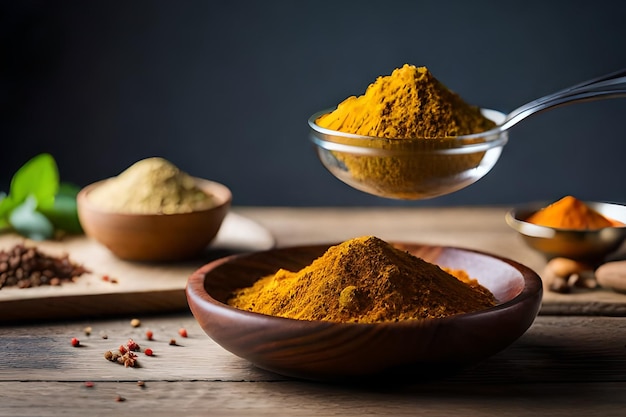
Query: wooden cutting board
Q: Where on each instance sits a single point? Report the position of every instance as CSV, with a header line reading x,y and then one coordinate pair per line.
x,y
133,288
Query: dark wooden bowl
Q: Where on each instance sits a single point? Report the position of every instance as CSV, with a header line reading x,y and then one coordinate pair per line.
x,y
321,350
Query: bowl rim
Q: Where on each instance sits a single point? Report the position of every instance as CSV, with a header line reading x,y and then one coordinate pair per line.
x,y
489,135
83,199
533,288
514,220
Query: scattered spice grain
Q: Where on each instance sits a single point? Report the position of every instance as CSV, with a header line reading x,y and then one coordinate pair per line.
x,y
182,332
135,323
124,355
26,267
75,342
132,345
107,278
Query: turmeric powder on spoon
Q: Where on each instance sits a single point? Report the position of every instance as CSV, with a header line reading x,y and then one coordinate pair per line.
x,y
409,103
396,109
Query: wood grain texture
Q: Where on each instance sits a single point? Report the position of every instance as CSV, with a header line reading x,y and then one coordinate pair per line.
x,y
555,349
561,366
245,398
139,287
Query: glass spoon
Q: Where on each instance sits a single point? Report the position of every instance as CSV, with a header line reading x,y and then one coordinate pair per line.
x,y
414,169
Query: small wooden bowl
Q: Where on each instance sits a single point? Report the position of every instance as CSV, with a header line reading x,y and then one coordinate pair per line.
x,y
320,350
155,237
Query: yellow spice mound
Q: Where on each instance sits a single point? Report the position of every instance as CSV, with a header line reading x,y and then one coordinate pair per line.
x,y
571,213
363,280
409,103
151,186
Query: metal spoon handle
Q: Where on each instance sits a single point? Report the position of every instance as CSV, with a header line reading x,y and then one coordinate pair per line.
x,y
612,85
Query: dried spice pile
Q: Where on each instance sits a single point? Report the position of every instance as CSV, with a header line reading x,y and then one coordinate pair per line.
x,y
571,213
408,104
27,267
364,280
151,186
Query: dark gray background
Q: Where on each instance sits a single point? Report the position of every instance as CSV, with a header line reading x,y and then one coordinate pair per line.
x,y
223,89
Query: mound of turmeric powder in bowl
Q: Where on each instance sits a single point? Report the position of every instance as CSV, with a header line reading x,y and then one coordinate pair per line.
x,y
364,280
151,186
571,213
408,104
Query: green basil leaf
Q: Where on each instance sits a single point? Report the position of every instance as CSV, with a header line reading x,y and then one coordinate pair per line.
x,y
30,223
38,177
4,208
68,189
6,205
64,214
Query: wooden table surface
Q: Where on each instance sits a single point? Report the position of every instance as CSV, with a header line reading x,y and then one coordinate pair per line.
x,y
564,365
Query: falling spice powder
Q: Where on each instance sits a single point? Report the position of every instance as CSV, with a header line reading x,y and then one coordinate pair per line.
x,y
408,104
364,280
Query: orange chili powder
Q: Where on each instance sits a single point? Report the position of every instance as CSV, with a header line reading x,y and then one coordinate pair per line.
x,y
571,213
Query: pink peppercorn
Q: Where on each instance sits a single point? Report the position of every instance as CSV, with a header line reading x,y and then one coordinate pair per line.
x,y
132,345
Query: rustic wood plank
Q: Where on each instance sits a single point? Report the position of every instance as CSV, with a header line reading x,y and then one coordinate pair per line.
x,y
554,349
563,365
130,288
51,356
237,398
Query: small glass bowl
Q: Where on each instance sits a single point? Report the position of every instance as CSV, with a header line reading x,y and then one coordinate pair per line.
x,y
408,169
